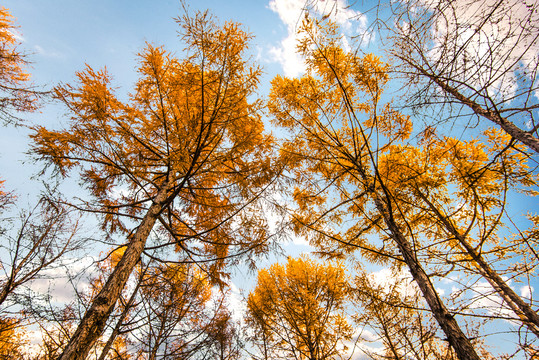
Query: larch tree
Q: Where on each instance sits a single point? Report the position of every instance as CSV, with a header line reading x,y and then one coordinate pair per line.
x,y
456,193
472,60
339,133
17,94
173,312
390,312
34,242
12,339
466,61
185,156
297,310
223,337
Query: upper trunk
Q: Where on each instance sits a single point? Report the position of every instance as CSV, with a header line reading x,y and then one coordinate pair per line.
x,y
457,339
94,321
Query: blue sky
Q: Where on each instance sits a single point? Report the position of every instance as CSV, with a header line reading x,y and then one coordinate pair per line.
x,y
61,36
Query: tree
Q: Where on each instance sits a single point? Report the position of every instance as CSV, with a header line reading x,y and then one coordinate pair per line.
x,y
299,309
471,214
12,339
35,243
223,337
172,312
471,58
339,134
186,157
16,93
389,311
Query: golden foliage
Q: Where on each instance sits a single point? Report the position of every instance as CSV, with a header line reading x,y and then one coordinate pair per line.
x,y
299,307
15,89
12,338
192,125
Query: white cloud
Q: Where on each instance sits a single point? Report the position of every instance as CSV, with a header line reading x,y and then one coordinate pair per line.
x,y
56,281
291,13
493,40
487,299
526,291
390,281
237,306
47,53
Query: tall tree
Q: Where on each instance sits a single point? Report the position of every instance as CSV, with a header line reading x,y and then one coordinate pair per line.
x,y
185,156
12,339
298,309
224,340
477,59
16,92
456,192
390,311
339,133
172,312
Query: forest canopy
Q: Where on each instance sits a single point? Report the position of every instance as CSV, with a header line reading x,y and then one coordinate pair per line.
x,y
374,198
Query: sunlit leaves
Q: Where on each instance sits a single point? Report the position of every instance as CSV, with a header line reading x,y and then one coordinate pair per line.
x,y
298,307
16,93
189,122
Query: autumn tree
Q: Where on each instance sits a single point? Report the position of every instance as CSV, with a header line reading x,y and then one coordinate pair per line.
x,y
389,308
470,216
299,307
472,60
185,156
223,338
16,92
113,344
12,339
339,136
172,312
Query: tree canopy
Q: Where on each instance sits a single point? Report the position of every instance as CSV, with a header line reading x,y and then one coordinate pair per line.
x,y
419,215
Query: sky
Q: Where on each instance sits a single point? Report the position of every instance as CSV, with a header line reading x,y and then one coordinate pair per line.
x,y
62,36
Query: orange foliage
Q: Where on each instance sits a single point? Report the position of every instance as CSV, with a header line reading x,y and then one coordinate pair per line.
x,y
15,90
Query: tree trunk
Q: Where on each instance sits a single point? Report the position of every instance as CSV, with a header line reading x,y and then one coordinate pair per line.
x,y
94,321
457,339
517,133
123,315
523,310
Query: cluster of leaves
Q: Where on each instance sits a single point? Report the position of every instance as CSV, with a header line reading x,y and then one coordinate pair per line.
x,y
179,172
297,310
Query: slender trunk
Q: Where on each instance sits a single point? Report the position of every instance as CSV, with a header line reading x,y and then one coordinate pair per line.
x,y
120,322
494,116
94,321
457,339
523,310
6,289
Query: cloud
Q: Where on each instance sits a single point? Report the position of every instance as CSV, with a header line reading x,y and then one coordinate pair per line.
x,y
291,13
526,291
47,53
485,298
237,306
56,282
390,281
363,344
485,43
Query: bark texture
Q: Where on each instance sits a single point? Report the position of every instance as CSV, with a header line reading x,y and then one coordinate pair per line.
x,y
94,321
457,339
